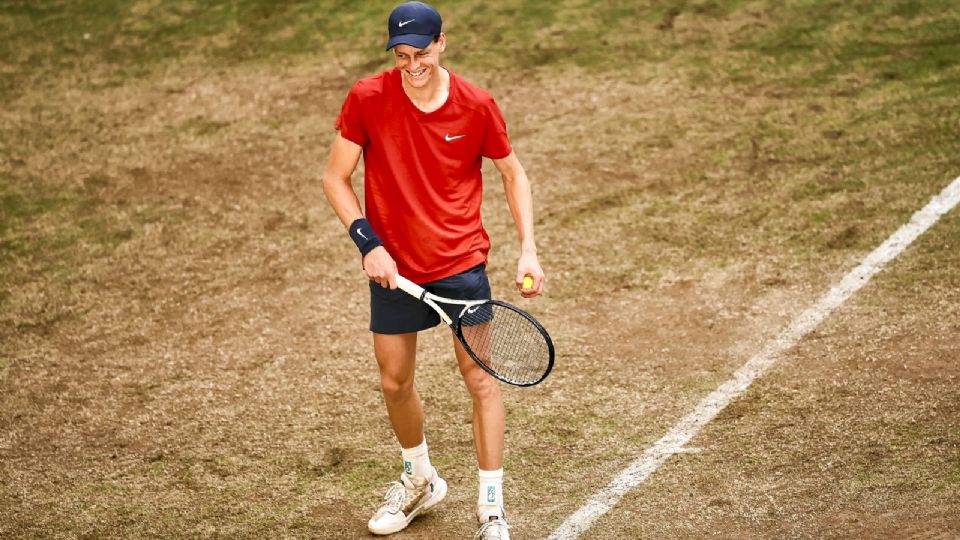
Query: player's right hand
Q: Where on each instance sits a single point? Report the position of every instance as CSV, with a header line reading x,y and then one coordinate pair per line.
x,y
380,267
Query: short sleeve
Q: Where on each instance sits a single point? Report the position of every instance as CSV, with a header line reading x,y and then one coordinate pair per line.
x,y
496,144
350,121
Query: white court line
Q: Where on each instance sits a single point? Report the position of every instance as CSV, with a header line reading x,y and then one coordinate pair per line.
x,y
673,442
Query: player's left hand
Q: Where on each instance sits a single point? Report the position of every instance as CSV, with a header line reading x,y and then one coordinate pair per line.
x,y
530,278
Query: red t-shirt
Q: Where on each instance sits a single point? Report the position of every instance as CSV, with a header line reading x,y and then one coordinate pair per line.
x,y
422,180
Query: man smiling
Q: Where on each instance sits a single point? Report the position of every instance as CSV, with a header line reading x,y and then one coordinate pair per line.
x,y
423,133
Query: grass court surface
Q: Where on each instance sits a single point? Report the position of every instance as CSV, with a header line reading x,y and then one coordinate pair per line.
x,y
183,349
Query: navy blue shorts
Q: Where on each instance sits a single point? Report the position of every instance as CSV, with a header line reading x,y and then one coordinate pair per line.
x,y
396,312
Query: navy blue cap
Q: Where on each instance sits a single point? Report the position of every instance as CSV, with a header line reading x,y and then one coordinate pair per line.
x,y
414,24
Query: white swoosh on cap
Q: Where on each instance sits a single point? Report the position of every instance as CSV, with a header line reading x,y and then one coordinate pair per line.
x,y
402,23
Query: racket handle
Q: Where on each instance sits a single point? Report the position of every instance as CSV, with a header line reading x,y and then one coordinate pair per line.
x,y
410,287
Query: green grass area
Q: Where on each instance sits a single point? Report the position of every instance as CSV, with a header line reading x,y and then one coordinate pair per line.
x,y
893,40
130,38
84,221
47,238
41,232
888,41
14,207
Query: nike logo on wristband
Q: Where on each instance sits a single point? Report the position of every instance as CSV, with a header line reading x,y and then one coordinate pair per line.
x,y
360,232
449,137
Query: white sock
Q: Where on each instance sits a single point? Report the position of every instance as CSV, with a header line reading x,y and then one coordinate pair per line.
x,y
490,495
416,460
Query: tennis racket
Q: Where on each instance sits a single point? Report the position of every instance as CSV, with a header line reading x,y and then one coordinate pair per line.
x,y
504,340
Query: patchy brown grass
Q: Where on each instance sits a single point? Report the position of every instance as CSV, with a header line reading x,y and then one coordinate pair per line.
x,y
853,435
182,319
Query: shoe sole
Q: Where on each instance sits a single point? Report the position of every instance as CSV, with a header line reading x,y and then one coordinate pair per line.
x,y
440,491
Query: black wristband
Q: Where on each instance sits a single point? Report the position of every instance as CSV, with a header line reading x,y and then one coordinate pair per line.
x,y
363,236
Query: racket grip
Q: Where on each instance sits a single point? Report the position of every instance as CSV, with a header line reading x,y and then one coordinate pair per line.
x,y
410,287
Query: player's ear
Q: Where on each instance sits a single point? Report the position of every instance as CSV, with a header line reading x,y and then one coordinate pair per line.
x,y
442,41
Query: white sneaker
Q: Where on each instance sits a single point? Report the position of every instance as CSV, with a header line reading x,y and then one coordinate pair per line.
x,y
405,500
494,529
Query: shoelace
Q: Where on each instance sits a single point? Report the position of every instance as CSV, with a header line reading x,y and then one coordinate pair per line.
x,y
393,500
496,525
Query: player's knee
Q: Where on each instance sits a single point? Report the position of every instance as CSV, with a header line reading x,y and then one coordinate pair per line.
x,y
482,386
396,388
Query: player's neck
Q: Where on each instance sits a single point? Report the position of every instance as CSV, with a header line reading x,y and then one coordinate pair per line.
x,y
432,96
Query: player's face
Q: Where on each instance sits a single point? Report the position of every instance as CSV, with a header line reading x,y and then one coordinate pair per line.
x,y
419,66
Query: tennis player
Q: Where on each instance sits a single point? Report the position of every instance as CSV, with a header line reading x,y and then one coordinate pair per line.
x,y
423,131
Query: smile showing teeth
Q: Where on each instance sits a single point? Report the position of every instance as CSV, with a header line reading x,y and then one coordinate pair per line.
x,y
417,73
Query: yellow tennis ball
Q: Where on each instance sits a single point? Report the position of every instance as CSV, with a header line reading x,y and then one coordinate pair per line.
x,y
527,282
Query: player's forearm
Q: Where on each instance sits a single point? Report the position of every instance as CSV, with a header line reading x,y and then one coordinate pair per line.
x,y
337,186
520,200
342,199
522,212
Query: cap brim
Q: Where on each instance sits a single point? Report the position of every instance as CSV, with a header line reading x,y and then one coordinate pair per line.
x,y
417,41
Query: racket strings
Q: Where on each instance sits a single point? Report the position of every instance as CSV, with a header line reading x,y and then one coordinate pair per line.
x,y
507,342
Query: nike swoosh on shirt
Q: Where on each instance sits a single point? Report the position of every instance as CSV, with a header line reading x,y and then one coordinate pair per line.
x,y
449,137
402,23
